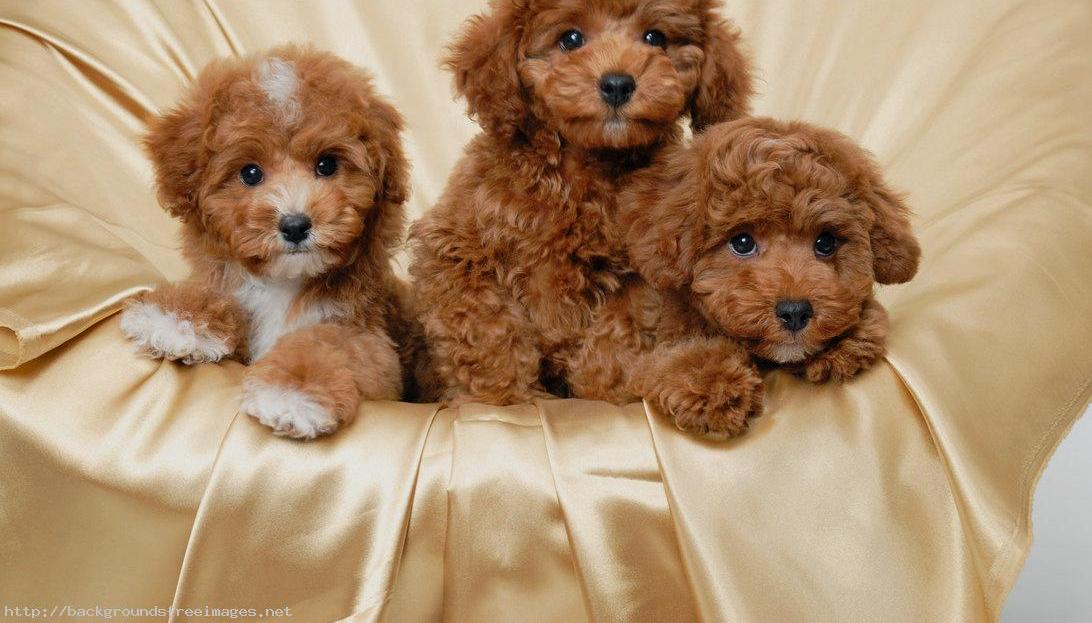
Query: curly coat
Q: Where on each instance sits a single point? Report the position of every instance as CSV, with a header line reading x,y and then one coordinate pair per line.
x,y
521,276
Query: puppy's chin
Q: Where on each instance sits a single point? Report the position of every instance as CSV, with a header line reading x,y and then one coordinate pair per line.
x,y
786,353
299,264
614,132
792,350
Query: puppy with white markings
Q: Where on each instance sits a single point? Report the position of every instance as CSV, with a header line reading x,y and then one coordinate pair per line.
x,y
287,172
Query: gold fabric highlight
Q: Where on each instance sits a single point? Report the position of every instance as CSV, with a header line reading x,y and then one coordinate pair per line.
x,y
903,495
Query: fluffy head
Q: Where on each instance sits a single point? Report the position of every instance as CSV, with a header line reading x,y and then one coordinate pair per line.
x,y
743,219
287,163
529,66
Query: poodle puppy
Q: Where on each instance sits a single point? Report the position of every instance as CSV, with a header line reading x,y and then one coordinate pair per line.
x,y
286,170
521,276
766,238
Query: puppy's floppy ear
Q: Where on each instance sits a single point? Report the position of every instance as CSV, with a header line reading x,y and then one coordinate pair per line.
x,y
483,59
662,218
174,142
895,251
385,135
388,134
725,87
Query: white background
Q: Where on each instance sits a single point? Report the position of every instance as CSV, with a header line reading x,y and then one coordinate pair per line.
x,y
1056,583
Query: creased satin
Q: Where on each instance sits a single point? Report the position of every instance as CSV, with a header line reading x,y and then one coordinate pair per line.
x,y
317,518
903,495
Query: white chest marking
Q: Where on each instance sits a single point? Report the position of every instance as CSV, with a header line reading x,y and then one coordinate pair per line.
x,y
268,303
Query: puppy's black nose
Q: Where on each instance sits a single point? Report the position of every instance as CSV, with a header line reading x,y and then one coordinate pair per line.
x,y
295,227
616,89
793,314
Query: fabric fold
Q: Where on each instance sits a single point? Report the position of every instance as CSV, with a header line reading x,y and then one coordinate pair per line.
x,y
104,457
507,554
44,275
319,525
854,491
616,512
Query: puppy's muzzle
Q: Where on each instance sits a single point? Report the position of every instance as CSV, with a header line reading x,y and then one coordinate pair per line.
x,y
295,227
794,314
617,89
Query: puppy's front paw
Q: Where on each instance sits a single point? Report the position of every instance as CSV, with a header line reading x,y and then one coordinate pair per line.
x,y
719,414
164,335
289,412
854,353
842,362
715,406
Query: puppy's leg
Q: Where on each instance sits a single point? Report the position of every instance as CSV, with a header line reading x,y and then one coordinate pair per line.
x,y
186,321
601,366
479,346
854,352
312,380
708,385
486,360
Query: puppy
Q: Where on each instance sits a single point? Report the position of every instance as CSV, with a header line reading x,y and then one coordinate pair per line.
x,y
286,170
766,237
521,275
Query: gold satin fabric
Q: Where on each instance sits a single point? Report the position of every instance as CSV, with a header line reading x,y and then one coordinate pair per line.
x,y
903,495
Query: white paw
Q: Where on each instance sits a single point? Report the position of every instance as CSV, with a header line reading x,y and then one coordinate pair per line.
x,y
163,335
287,411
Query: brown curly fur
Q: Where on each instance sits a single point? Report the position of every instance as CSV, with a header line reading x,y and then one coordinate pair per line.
x,y
784,183
346,333
522,281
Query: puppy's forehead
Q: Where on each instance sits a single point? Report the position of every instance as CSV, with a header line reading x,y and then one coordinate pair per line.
x,y
277,78
613,8
279,81
776,165
797,190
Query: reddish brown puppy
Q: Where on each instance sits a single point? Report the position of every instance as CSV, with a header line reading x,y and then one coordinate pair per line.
x,y
522,280
766,238
286,170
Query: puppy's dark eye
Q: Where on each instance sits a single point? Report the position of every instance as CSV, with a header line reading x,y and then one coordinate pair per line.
x,y
826,244
656,38
743,245
251,174
326,165
571,40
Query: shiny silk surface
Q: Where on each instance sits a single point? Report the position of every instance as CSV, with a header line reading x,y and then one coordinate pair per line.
x,y
901,496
